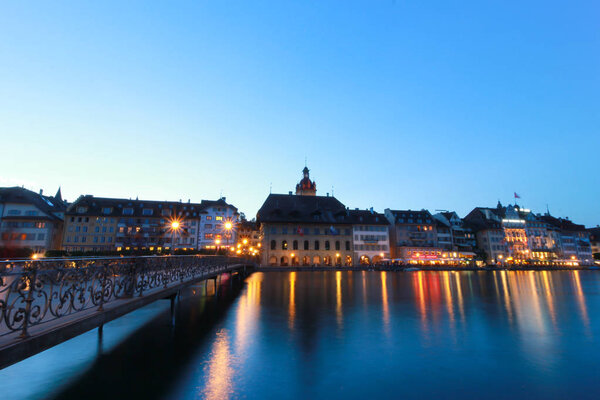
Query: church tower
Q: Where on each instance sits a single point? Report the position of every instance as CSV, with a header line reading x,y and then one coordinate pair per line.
x,y
306,187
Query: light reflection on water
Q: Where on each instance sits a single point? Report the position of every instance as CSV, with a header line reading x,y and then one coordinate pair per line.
x,y
506,334
299,335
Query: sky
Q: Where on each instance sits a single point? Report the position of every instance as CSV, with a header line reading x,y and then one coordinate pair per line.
x,y
394,104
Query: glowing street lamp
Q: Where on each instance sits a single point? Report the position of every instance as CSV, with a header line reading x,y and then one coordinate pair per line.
x,y
175,226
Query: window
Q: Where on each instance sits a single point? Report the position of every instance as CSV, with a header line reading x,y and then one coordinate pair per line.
x,y
284,230
347,245
83,239
295,245
306,245
317,245
106,210
317,231
337,244
284,245
209,218
81,210
208,236
40,236
218,218
147,211
97,229
273,231
14,212
207,226
273,245
327,245
31,213
128,211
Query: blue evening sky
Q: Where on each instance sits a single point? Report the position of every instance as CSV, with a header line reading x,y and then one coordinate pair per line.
x,y
423,104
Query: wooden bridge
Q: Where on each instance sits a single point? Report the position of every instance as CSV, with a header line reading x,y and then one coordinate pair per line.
x,y
46,302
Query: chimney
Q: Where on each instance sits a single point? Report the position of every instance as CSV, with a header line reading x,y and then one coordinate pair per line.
x,y
41,192
371,209
327,194
290,192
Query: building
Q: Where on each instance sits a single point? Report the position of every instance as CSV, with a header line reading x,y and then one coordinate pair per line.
x,y
413,236
516,235
371,241
97,224
218,224
455,237
30,220
305,230
248,234
489,234
595,241
574,239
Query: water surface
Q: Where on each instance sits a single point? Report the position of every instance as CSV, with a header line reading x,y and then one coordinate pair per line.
x,y
327,334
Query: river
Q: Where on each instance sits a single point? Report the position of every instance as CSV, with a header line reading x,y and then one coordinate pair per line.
x,y
333,334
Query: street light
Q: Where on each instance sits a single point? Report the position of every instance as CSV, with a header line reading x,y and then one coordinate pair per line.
x,y
228,227
175,226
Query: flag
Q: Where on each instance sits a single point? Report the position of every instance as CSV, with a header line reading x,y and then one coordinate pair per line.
x,y
300,231
333,230
517,196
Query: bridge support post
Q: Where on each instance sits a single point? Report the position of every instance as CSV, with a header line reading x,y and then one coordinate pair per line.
x,y
174,305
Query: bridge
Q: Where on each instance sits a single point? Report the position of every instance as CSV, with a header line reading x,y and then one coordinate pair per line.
x,y
46,302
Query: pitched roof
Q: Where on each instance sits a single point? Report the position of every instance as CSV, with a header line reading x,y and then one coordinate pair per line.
x,y
303,209
562,223
98,206
402,216
367,217
19,195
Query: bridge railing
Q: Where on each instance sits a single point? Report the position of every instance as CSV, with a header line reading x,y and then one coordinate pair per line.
x,y
35,292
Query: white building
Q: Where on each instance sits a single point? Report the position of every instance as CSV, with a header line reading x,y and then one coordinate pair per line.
x,y
215,217
371,237
30,220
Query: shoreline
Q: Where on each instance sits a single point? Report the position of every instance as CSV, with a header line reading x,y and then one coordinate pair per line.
x,y
388,268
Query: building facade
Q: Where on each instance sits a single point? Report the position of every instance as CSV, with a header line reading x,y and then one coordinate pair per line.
x,y
218,224
30,220
96,224
414,237
371,240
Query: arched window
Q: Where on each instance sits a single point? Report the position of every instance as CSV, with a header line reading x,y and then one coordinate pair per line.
x,y
347,245
306,245
273,261
337,244
316,245
295,245
284,245
273,245
327,246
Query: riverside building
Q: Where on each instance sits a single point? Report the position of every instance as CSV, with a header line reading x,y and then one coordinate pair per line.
x,y
30,220
413,237
97,224
305,229
218,224
371,241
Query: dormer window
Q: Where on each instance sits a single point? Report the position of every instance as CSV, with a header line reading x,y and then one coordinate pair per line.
x,y
81,209
166,212
147,211
128,211
106,210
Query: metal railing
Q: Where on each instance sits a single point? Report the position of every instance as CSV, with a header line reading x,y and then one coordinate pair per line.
x,y
35,292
